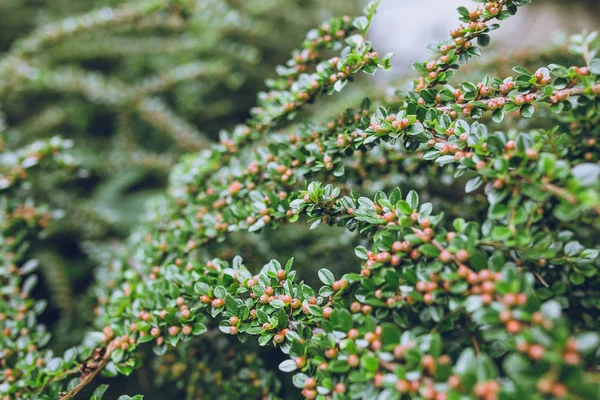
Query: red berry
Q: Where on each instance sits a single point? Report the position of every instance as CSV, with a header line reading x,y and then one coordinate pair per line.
x,y
330,353
513,326
310,383
402,386
353,334
559,390
278,338
462,255
340,388
572,358
428,298
300,362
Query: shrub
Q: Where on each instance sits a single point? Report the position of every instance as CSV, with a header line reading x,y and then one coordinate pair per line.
x,y
495,300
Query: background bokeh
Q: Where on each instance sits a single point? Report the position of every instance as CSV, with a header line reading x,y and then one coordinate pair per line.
x,y
137,95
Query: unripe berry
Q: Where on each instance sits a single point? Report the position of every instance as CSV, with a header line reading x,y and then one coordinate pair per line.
x,y
523,347
519,100
330,353
402,386
505,316
310,383
544,385
559,390
340,388
352,334
537,318
218,303
571,358
445,256
513,326
462,255
486,299
383,256
428,298
300,362
454,381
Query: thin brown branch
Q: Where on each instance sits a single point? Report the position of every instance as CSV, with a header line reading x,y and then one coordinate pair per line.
x,y
475,343
560,193
388,365
541,279
96,367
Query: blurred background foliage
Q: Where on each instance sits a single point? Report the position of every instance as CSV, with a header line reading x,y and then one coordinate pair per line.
x,y
153,79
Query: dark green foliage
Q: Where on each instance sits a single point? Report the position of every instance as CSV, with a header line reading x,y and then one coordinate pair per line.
x,y
475,211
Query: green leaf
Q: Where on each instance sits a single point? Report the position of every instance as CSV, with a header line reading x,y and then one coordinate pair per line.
x,y
403,207
326,276
522,70
361,253
413,199
501,233
277,303
483,40
462,10
527,110
220,292
465,362
473,184
594,66
498,116
99,392
231,304
588,342
369,362
361,23
287,366
198,329
551,309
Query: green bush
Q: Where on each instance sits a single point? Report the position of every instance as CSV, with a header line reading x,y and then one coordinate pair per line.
x,y
490,295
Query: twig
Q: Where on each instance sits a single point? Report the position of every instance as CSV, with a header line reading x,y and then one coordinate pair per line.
x,y
539,277
475,343
388,365
87,378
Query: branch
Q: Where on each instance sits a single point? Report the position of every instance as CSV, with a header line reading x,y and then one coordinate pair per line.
x,y
95,367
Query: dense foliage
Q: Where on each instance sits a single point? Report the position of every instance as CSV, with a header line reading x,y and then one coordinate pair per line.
x,y
494,295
